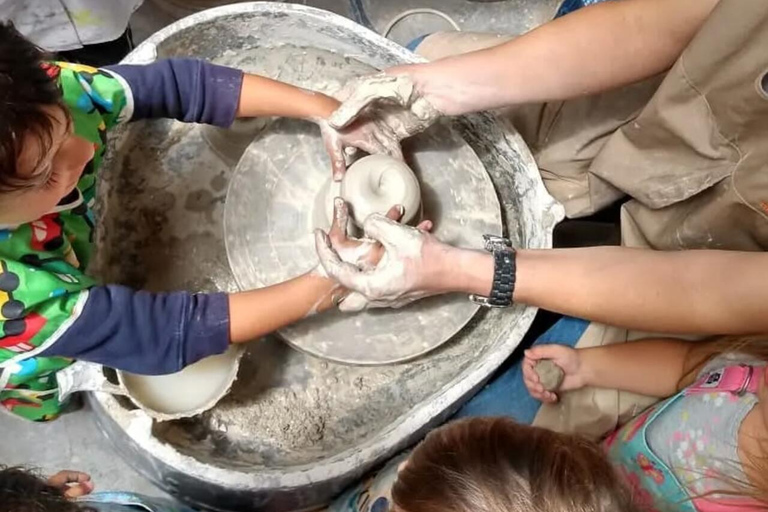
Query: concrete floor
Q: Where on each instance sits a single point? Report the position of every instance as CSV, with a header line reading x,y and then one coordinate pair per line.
x,y
74,441
71,442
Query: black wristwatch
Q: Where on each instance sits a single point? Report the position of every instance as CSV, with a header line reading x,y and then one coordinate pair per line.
x,y
504,273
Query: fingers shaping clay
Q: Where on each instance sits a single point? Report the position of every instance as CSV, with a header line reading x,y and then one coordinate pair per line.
x,y
550,375
376,183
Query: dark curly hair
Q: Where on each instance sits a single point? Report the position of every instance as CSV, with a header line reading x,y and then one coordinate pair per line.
x,y
22,490
25,89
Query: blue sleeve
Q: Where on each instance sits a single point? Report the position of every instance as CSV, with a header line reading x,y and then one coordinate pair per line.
x,y
146,333
190,90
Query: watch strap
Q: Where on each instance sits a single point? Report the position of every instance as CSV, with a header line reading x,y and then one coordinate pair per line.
x,y
504,273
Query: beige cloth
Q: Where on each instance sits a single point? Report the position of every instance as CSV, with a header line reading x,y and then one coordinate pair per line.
x,y
689,148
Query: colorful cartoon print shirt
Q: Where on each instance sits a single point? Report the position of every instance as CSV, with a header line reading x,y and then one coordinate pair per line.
x,y
51,311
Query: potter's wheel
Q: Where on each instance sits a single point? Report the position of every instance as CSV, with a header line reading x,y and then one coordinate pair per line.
x,y
269,217
296,429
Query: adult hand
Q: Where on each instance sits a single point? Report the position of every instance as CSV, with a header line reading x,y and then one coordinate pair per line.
x,y
408,270
370,135
388,108
567,358
362,253
72,483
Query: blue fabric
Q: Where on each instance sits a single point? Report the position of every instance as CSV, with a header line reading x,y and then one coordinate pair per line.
x,y
568,6
416,42
506,394
190,90
146,333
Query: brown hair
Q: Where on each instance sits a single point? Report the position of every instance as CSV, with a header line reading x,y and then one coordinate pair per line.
x,y
25,88
21,490
498,465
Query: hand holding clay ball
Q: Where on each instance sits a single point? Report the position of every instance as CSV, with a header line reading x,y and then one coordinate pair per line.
x,y
550,375
375,184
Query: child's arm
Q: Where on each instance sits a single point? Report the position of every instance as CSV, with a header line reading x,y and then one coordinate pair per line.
x,y
258,312
159,333
196,91
261,96
654,367
73,484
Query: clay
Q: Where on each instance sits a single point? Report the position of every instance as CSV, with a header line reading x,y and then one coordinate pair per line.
x,y
376,183
550,375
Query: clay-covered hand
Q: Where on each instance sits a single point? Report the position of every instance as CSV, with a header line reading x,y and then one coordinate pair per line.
x,y
363,253
388,108
360,252
370,135
404,274
72,483
567,358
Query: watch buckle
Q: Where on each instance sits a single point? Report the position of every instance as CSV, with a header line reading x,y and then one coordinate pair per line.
x,y
484,301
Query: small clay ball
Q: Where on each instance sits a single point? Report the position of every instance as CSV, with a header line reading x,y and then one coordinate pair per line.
x,y
550,375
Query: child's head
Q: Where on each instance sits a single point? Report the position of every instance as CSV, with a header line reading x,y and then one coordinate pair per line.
x,y
23,491
41,160
497,465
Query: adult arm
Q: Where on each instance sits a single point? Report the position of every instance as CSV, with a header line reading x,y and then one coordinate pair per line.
x,y
697,291
706,291
700,291
594,49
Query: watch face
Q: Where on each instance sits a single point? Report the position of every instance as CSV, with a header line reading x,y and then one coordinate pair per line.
x,y
496,243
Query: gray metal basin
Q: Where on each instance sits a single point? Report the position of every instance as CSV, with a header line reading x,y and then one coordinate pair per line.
x,y
295,430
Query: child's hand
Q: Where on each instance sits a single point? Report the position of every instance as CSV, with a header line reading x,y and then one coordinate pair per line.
x,y
566,358
73,483
362,254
